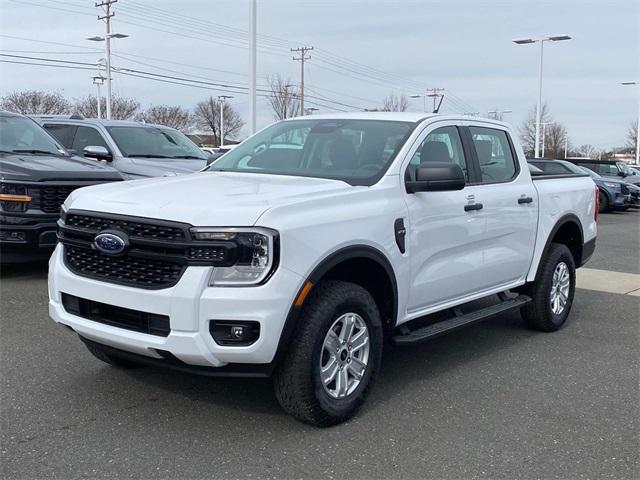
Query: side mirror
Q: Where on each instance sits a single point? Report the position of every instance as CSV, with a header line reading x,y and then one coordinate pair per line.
x,y
621,174
437,177
97,152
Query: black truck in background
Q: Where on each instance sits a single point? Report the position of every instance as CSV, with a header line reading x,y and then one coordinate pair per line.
x,y
36,176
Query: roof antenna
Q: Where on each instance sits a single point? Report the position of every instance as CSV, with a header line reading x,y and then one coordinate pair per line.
x,y
437,109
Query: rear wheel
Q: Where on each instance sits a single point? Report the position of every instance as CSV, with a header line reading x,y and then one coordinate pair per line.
x,y
112,360
333,357
552,292
603,200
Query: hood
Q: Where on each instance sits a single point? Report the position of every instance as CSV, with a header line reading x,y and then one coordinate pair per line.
x,y
42,168
221,199
158,167
615,180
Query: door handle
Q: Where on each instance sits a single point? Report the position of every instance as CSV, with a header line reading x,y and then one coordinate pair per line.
x,y
473,206
522,200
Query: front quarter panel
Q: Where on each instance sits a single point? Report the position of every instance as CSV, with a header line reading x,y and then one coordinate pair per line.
x,y
310,231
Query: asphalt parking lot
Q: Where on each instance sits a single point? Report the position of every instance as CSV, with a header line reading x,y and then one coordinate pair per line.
x,y
493,401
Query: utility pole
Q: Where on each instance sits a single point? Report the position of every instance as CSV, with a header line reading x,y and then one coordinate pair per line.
x,y
302,58
107,20
222,99
108,14
252,68
435,95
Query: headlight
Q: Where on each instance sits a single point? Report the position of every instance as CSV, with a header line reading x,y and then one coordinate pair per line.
x,y
612,185
13,197
256,253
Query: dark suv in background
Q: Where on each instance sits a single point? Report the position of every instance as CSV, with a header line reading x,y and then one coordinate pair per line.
x,y
36,176
614,194
608,168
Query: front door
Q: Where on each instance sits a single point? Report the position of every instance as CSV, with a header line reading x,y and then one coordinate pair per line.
x,y
445,241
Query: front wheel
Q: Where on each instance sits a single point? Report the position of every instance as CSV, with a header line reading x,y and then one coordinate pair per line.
x,y
553,291
333,357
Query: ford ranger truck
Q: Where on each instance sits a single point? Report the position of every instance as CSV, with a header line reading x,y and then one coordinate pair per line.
x,y
299,253
36,175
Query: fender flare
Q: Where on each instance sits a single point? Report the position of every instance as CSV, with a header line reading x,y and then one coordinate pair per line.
x,y
335,258
562,221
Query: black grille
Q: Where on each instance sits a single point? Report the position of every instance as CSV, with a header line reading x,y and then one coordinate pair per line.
x,y
134,229
127,270
126,318
52,197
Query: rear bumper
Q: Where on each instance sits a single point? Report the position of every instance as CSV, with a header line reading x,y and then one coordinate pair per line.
x,y
587,251
27,237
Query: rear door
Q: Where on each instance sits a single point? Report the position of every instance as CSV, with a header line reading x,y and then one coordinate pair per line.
x,y
509,206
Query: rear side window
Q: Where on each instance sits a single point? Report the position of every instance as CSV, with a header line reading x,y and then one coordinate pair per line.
x,y
441,145
494,154
552,168
62,133
87,136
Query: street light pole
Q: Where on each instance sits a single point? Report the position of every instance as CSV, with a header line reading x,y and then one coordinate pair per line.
x,y
222,99
544,135
524,41
252,68
637,124
97,81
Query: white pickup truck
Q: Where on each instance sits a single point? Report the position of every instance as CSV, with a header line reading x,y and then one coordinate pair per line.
x,y
304,249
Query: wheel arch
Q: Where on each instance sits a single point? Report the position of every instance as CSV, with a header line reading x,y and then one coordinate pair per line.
x,y
361,264
567,231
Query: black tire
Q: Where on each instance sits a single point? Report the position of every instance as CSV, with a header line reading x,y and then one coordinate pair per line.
x,y
539,314
298,385
603,200
114,361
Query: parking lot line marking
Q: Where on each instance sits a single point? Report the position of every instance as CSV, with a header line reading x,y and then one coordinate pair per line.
x,y
608,281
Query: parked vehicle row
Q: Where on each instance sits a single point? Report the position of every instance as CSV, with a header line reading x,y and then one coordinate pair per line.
x,y
40,167
304,249
615,192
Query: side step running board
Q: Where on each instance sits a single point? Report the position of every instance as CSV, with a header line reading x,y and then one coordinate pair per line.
x,y
460,321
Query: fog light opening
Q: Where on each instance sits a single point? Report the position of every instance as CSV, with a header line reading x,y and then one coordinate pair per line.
x,y
234,333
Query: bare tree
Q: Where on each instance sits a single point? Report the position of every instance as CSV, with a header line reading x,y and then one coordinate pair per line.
x,y
587,150
122,108
35,102
284,98
528,129
169,115
395,103
632,135
207,117
554,140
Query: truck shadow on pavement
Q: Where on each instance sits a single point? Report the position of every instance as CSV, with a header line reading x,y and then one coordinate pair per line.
x,y
401,368
38,269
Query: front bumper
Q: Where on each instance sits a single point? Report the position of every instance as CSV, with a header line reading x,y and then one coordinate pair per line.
x,y
191,304
26,237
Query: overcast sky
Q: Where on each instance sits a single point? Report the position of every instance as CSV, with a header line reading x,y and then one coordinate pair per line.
x,y
401,46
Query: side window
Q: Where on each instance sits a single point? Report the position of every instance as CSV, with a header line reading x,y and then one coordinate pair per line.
x,y
86,136
441,145
494,154
62,133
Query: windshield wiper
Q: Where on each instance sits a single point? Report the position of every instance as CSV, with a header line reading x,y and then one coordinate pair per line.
x,y
35,151
187,156
149,156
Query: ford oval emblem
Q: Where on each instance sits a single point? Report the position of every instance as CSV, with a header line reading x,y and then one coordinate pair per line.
x,y
110,243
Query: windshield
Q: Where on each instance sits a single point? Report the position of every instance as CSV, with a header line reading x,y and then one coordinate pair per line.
x,y
154,142
355,151
23,135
